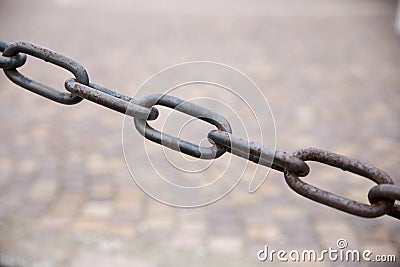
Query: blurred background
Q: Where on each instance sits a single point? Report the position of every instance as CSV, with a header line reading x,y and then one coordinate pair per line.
x,y
329,69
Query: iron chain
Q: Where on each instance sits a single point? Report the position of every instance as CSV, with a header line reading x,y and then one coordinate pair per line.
x,y
382,197
11,62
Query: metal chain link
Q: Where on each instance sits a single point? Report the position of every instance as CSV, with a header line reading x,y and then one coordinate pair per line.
x,y
187,108
347,164
259,154
382,197
48,56
11,62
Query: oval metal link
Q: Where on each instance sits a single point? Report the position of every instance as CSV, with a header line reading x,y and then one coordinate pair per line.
x,y
11,62
175,143
48,56
259,154
384,192
347,164
382,196
109,98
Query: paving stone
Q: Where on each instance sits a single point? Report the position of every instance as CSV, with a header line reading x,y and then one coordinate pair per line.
x,y
331,231
97,209
159,224
32,210
329,71
226,245
53,222
186,240
43,190
193,227
101,192
299,240
120,229
27,167
266,232
89,225
67,203
225,229
288,212
93,259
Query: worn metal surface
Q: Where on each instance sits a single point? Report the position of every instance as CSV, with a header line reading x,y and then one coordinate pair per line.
x,y
382,197
48,56
347,164
11,62
259,154
386,192
111,99
190,109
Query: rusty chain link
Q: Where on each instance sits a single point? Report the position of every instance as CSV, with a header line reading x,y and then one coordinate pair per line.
x,y
11,62
376,209
382,197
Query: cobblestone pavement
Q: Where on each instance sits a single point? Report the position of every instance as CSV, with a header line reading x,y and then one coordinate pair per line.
x,y
329,69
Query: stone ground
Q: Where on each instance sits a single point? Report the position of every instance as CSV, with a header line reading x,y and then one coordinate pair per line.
x,y
329,70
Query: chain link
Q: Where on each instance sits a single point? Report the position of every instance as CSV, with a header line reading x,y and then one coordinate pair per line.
x,y
382,196
11,62
259,154
49,56
386,192
187,108
111,99
347,164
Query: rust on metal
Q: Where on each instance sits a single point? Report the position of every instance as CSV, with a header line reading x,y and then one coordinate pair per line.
x,y
259,154
382,197
347,164
386,192
49,56
108,98
188,108
11,62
